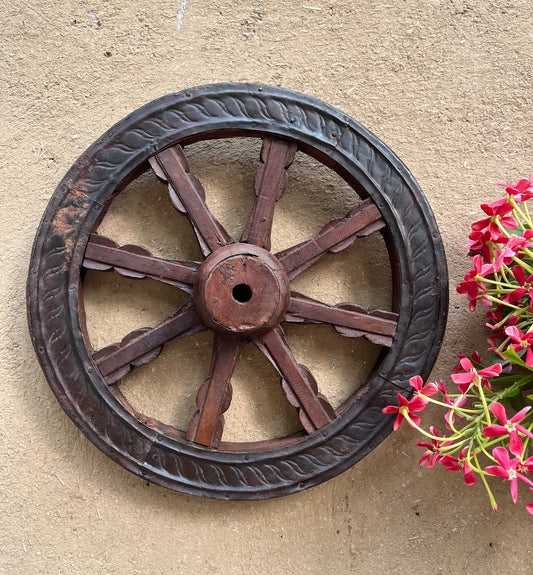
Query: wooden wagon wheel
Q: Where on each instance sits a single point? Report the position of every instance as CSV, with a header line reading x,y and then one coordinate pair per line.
x,y
241,291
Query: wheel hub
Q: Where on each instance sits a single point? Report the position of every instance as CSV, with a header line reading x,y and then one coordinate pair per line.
x,y
241,289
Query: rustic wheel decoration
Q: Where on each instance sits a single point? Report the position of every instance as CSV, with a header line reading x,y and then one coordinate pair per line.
x,y
241,291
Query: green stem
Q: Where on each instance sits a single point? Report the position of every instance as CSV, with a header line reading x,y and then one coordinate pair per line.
x,y
528,217
483,474
497,283
483,399
523,263
499,302
505,231
437,402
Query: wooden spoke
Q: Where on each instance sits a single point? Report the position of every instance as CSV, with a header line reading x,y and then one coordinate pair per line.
x,y
134,261
143,345
298,384
188,195
348,319
214,396
335,236
270,184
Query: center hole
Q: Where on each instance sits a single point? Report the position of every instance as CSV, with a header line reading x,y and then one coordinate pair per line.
x,y
242,293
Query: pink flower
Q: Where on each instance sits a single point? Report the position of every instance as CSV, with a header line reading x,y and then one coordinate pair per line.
x,y
464,380
430,389
441,387
522,191
521,341
406,408
526,466
497,212
455,464
432,453
509,427
525,286
510,249
508,469
475,358
473,285
480,245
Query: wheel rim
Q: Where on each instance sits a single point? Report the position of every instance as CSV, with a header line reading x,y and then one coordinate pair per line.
x,y
178,460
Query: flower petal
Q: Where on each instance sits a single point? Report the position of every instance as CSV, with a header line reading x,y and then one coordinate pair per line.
x,y
529,356
528,463
397,421
403,400
466,364
520,415
501,455
491,371
425,458
462,377
514,489
464,387
497,470
495,431
450,461
430,389
391,409
417,404
516,447
519,274
417,382
514,333
499,411
433,460
469,476
525,431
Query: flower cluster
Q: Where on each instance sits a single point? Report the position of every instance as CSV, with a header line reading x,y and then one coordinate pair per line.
x,y
487,413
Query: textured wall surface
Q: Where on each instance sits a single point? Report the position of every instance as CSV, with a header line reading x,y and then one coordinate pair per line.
x,y
445,83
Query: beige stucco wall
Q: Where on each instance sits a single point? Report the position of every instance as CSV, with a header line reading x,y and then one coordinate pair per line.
x,y
445,83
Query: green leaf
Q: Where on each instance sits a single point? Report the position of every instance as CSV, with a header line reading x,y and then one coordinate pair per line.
x,y
513,357
496,358
518,402
512,392
504,381
520,380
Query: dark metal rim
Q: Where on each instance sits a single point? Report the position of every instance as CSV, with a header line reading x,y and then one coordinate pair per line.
x,y
190,115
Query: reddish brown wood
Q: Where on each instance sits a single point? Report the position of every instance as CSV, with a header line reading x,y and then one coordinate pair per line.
x,y
115,360
354,321
214,396
270,184
190,192
241,289
298,384
335,236
135,261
